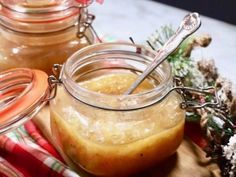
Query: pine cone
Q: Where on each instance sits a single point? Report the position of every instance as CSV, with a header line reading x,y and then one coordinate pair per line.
x,y
208,69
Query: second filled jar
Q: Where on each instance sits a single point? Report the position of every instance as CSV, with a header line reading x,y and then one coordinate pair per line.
x,y
37,34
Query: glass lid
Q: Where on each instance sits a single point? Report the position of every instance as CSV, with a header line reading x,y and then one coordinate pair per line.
x,y
22,93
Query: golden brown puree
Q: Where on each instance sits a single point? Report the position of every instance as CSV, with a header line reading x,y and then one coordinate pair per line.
x,y
108,146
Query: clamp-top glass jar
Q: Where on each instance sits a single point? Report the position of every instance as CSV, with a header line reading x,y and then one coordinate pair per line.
x,y
93,123
108,133
37,34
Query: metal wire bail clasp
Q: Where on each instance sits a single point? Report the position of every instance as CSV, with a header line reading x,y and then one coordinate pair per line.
x,y
191,102
85,21
54,80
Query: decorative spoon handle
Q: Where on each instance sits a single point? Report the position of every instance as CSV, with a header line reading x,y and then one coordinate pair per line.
x,y
189,25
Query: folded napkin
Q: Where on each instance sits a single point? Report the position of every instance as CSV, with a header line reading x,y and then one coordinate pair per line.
x,y
24,152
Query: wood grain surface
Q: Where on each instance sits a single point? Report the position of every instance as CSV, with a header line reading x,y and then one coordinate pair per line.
x,y
188,161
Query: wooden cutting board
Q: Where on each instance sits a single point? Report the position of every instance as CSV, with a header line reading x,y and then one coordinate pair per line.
x,y
188,161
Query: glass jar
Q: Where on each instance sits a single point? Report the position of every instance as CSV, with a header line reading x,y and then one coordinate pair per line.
x,y
37,34
115,135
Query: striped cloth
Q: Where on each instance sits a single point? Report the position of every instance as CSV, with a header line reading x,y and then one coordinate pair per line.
x,y
24,152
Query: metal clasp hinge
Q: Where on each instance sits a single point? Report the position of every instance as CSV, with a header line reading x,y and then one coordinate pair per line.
x,y
197,101
85,21
54,80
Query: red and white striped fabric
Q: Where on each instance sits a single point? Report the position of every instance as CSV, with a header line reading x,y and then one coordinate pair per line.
x,y
24,152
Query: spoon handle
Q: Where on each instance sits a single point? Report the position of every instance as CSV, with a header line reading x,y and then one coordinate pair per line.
x,y
189,25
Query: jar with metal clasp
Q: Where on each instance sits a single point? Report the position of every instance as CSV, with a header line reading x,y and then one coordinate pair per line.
x,y
94,125
37,34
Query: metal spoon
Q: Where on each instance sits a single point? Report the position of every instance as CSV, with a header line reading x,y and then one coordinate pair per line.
x,y
189,25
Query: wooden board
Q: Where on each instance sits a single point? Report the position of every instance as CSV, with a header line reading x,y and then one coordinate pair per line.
x,y
188,161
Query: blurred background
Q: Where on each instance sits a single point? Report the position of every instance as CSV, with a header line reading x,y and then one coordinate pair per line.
x,y
119,20
224,10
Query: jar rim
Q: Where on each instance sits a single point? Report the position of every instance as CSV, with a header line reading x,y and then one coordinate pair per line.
x,y
82,94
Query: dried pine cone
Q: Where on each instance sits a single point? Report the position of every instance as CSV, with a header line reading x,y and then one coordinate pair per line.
x,y
208,69
227,93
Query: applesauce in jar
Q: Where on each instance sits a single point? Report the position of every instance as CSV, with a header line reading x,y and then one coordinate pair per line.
x,y
106,132
37,34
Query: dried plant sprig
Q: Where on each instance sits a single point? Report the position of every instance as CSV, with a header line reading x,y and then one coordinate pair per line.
x,y
218,124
